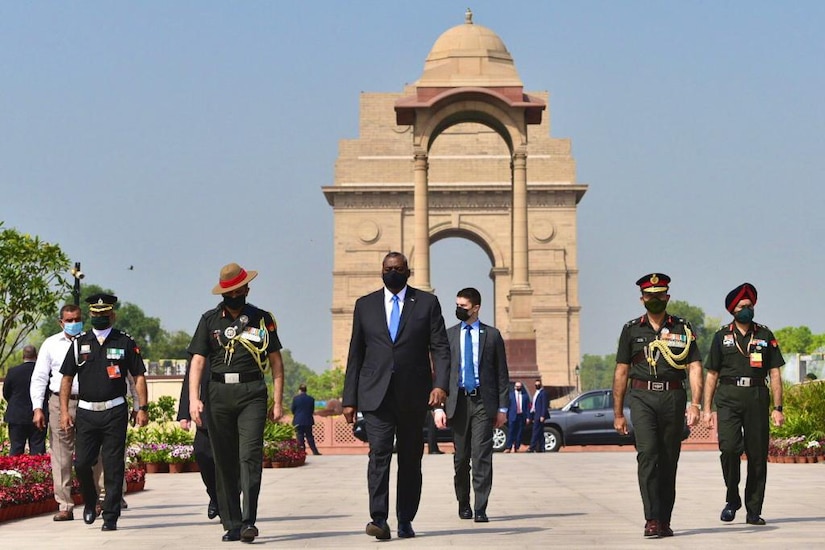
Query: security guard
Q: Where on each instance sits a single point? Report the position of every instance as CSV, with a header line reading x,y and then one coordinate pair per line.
x,y
101,359
239,339
655,351
742,354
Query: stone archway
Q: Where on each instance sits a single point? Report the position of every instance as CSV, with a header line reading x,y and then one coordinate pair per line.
x,y
519,204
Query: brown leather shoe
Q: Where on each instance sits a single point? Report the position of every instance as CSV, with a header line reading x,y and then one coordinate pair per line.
x,y
652,528
64,515
665,530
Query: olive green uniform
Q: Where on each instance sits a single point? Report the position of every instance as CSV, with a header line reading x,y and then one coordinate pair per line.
x,y
236,416
743,405
657,401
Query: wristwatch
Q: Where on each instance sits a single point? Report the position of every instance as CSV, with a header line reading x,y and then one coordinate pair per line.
x,y
143,408
778,408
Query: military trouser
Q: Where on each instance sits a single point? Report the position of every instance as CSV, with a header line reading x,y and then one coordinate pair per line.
x,y
235,417
658,419
743,426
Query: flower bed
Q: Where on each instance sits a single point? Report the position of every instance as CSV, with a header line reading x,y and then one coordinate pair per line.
x,y
796,449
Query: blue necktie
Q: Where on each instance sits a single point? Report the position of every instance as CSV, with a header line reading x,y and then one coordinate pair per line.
x,y
469,371
395,317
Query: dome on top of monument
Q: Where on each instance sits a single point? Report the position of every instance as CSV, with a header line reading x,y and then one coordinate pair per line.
x,y
469,55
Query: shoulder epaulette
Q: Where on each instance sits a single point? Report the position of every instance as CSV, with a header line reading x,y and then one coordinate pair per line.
x,y
634,321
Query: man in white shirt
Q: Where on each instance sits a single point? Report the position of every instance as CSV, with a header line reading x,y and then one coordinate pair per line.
x,y
46,378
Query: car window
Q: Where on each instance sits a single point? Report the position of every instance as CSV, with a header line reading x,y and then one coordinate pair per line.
x,y
592,402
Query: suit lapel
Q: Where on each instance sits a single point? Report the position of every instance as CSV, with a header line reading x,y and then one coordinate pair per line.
x,y
410,300
482,338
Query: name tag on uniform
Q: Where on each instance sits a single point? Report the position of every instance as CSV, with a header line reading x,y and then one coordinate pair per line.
x,y
86,348
113,371
252,334
756,360
115,353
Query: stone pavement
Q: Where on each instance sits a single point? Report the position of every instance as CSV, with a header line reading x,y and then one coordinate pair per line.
x,y
574,500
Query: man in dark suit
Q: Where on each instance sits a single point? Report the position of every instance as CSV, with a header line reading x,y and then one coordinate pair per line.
x,y
516,417
478,401
539,411
202,444
303,409
398,341
19,410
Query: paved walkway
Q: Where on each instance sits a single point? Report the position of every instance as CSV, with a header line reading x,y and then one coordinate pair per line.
x,y
574,500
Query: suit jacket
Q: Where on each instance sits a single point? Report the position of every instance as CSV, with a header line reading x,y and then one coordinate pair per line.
x,y
375,360
183,402
493,375
16,392
542,401
525,405
303,407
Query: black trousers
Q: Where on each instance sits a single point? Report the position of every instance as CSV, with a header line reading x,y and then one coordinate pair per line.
x,y
407,428
101,433
515,432
658,420
743,425
304,432
206,462
20,434
537,438
473,438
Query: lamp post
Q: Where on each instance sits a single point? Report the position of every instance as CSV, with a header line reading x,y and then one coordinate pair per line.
x,y
577,370
77,274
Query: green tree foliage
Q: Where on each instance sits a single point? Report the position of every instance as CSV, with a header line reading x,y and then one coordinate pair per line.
x,y
171,345
31,286
295,374
797,340
328,384
596,371
696,317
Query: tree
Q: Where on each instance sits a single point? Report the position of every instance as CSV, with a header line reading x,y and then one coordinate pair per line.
x,y
328,384
696,317
295,374
596,371
797,340
31,286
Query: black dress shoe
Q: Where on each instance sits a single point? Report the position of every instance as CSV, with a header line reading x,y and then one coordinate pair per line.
x,y
212,510
754,520
465,512
109,526
379,529
248,533
728,512
481,517
89,514
231,535
123,504
405,530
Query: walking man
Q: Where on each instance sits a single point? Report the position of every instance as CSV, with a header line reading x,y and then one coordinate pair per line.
x,y
657,352
538,412
397,334
742,354
303,409
516,417
477,402
22,430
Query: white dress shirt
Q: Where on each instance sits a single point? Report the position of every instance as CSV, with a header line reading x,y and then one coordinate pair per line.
x,y
388,302
47,368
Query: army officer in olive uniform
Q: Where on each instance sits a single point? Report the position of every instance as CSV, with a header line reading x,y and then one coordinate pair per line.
x,y
742,354
657,352
239,339
101,359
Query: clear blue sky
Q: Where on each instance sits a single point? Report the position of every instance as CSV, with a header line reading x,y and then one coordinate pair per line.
x,y
179,136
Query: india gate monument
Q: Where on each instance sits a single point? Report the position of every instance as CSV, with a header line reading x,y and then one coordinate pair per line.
x,y
465,152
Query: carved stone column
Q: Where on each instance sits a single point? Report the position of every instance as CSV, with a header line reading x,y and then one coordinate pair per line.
x,y
421,236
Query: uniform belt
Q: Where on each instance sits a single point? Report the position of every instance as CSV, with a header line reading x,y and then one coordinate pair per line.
x,y
664,385
236,377
101,405
742,381
473,393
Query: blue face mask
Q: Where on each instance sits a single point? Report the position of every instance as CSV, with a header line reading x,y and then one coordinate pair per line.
x,y
73,329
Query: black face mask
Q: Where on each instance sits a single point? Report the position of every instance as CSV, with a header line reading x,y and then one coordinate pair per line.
x,y
234,302
101,323
461,313
394,280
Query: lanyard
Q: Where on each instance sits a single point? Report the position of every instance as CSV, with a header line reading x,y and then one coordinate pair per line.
x,y
736,341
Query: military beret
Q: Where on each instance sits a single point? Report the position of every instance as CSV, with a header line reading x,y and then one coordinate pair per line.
x,y
654,282
101,303
742,292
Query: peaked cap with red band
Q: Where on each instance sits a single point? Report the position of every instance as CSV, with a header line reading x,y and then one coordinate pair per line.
x,y
233,276
742,292
654,282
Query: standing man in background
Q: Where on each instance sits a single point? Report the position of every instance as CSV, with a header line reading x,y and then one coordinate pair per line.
x,y
303,409
477,402
398,339
538,411
516,417
16,392
742,354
